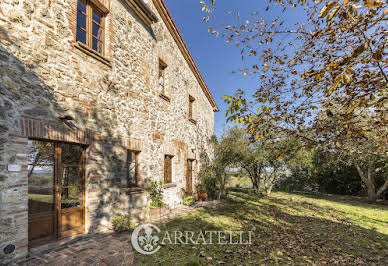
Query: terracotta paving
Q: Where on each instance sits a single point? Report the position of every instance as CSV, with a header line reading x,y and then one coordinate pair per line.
x,y
108,249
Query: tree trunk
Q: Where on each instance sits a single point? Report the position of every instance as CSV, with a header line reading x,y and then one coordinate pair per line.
x,y
255,184
254,178
223,181
369,181
268,190
382,189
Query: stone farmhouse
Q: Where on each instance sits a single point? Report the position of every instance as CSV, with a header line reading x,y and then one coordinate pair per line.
x,y
98,98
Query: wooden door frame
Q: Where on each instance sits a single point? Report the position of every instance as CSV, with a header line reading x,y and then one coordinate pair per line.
x,y
191,174
57,193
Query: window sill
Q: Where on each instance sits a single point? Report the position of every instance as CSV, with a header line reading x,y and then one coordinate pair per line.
x,y
169,185
82,47
193,121
164,97
133,190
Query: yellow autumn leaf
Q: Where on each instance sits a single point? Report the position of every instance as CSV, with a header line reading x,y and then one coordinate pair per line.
x,y
345,2
332,66
373,3
333,12
354,106
326,9
334,87
349,71
259,136
320,75
383,91
346,79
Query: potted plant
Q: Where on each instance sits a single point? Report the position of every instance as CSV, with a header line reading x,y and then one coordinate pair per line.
x,y
156,195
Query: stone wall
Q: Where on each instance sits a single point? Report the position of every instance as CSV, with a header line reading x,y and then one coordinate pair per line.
x,y
115,102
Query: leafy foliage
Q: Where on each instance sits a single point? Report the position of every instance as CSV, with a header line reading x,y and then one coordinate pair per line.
x,y
188,200
336,172
156,194
123,223
332,61
209,181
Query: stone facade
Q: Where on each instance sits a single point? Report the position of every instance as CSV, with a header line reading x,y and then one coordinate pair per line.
x,y
114,101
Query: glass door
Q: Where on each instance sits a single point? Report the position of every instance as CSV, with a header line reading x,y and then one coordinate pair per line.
x,y
41,196
71,189
56,185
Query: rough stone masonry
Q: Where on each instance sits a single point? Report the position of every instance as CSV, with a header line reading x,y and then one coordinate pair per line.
x,y
52,88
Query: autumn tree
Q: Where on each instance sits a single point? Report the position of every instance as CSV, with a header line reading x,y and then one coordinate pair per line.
x,y
334,55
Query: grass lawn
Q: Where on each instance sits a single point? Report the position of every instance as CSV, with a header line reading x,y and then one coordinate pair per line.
x,y
289,229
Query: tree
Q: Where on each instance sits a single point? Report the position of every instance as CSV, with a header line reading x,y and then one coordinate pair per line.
x,y
368,167
262,161
214,174
361,148
334,55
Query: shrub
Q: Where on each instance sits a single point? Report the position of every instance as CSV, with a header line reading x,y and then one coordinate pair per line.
x,y
188,200
209,181
123,223
156,194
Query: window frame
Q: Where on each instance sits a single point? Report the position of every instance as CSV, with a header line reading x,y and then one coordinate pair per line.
x,y
168,169
162,72
191,109
90,7
128,185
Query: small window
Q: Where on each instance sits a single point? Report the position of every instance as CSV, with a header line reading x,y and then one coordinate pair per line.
x,y
191,107
162,77
90,26
168,169
132,168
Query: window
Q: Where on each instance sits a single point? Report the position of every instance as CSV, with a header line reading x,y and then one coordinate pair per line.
x,y
90,26
132,168
191,107
44,158
162,77
168,169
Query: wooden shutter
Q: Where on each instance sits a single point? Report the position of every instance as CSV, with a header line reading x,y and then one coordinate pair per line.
x,y
169,169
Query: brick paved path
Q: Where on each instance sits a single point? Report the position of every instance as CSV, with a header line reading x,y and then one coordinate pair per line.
x,y
98,250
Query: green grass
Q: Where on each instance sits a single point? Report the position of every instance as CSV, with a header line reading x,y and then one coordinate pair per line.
x,y
290,229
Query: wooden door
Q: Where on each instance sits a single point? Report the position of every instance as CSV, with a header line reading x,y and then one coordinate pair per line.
x,y
56,185
189,178
42,213
71,188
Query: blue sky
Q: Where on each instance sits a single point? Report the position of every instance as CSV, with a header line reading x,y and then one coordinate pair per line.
x,y
215,58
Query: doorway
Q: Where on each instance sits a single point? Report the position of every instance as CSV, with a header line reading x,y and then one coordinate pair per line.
x,y
56,190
